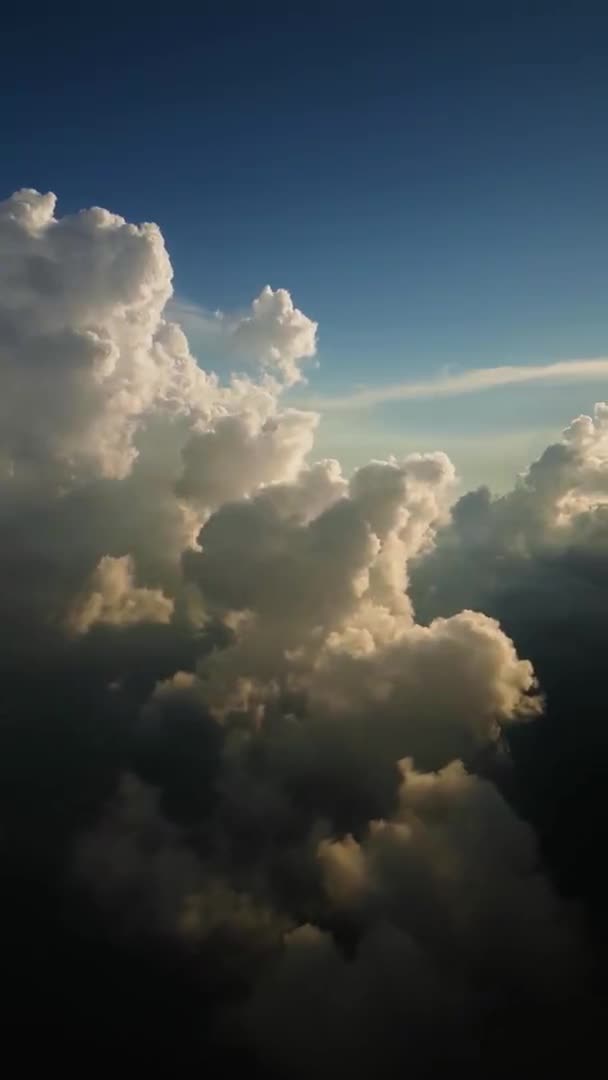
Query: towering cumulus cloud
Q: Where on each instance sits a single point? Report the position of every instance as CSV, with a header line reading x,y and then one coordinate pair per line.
x,y
254,813
537,559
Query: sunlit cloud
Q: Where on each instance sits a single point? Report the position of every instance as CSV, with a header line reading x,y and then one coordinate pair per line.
x,y
245,748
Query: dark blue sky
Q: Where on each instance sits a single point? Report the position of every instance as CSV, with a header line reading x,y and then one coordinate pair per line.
x,y
431,187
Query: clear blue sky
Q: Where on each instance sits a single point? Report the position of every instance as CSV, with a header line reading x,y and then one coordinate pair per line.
x,y
432,188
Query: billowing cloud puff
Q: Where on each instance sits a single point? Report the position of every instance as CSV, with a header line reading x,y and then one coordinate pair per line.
x,y
115,600
273,334
276,332
80,301
218,777
453,860
554,514
243,452
323,613
129,432
537,559
393,686
447,902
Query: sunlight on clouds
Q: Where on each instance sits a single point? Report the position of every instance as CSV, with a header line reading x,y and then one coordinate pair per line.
x,y
273,334
266,762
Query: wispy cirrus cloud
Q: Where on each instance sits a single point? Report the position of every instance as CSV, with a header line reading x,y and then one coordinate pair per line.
x,y
466,382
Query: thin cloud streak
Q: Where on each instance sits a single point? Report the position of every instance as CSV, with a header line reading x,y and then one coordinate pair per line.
x,y
467,382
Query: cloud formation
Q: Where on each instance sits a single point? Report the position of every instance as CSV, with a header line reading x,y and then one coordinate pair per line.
x,y
113,599
447,899
257,792
468,382
537,559
274,335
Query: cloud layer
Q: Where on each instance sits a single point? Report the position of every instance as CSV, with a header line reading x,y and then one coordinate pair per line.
x,y
257,807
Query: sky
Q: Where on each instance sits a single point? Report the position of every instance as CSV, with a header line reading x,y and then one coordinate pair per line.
x,y
303,769
430,187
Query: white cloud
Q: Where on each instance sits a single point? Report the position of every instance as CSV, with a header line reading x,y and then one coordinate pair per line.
x,y
273,334
466,382
103,407
244,452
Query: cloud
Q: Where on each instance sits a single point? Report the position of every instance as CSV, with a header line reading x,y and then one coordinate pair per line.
x,y
256,793
240,453
467,382
557,505
135,862
446,898
114,599
537,559
273,335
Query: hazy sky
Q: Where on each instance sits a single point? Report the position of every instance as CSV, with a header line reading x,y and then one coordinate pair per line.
x,y
430,188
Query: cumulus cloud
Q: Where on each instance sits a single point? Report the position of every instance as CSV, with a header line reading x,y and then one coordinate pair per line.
x,y
391,684
243,452
111,466
447,900
249,767
81,298
115,600
536,558
556,508
273,334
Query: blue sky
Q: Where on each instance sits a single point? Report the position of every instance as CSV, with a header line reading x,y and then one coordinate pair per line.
x,y
431,188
